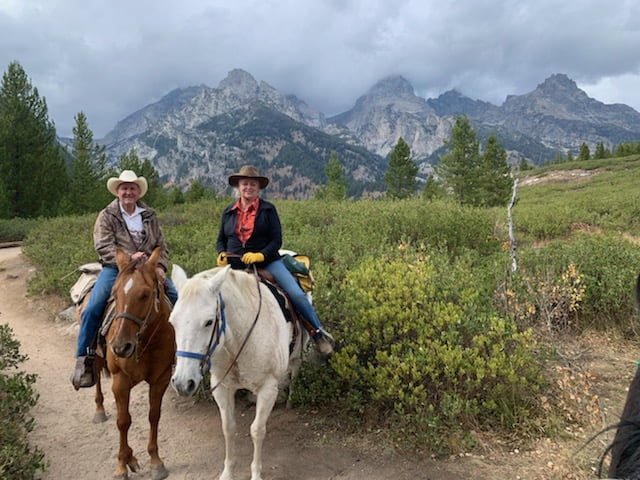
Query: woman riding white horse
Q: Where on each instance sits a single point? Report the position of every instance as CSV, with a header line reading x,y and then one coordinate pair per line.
x,y
250,234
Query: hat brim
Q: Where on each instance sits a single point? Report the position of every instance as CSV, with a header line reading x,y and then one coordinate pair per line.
x,y
234,179
114,183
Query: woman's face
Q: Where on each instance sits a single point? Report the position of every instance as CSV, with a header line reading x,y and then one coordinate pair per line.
x,y
249,189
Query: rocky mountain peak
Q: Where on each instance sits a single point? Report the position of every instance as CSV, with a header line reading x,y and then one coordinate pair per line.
x,y
558,82
202,132
241,83
395,85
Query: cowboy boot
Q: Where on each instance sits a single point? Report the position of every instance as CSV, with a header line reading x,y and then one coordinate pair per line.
x,y
84,374
323,342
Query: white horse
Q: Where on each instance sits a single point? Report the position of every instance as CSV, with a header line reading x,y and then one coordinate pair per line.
x,y
227,321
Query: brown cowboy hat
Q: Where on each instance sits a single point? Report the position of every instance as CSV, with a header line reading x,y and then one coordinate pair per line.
x,y
248,171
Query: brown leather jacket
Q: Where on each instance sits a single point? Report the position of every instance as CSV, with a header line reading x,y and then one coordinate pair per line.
x,y
110,231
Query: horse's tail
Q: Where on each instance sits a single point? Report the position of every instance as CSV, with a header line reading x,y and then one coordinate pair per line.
x,y
637,296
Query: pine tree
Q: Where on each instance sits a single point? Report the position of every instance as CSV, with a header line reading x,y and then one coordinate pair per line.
x,y
32,166
601,151
569,156
460,168
433,189
495,180
176,197
87,191
584,153
400,177
197,191
4,200
336,187
523,165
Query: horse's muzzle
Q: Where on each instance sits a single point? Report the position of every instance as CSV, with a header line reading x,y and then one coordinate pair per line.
x,y
124,350
184,388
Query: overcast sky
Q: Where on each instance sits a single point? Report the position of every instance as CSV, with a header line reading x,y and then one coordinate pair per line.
x,y
109,58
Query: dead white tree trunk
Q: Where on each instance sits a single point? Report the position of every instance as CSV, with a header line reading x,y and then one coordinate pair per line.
x,y
512,240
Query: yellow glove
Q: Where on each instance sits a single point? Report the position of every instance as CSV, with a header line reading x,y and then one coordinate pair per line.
x,y
252,257
222,260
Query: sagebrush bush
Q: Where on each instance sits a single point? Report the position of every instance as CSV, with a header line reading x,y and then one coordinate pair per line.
x,y
18,460
551,300
423,350
608,266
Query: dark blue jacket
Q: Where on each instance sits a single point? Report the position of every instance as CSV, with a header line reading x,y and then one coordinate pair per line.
x,y
266,237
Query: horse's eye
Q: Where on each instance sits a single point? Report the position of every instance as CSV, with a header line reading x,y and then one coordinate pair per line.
x,y
209,323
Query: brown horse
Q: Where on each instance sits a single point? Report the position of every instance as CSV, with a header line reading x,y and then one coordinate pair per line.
x,y
140,345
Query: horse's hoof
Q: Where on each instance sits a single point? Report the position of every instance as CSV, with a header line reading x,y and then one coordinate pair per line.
x,y
133,464
121,476
100,417
158,472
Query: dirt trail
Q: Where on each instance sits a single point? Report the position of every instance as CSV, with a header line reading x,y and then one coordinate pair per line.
x,y
190,438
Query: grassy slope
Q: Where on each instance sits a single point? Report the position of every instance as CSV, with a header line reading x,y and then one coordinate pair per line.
x,y
556,200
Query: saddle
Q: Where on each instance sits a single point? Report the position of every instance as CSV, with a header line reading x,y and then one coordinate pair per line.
x,y
298,265
88,275
288,310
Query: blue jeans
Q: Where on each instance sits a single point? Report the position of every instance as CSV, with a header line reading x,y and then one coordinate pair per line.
x,y
92,314
289,284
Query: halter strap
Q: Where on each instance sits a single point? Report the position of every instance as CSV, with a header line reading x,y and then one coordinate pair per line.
x,y
133,318
142,322
217,331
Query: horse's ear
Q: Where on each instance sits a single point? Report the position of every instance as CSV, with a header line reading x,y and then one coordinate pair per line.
x,y
179,276
155,256
215,282
122,259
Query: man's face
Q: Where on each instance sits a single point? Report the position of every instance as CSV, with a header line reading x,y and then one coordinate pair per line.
x,y
128,193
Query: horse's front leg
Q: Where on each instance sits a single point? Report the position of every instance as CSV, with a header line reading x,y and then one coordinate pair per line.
x,y
121,387
225,398
266,400
156,392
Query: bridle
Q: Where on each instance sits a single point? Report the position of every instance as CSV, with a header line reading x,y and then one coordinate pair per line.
x,y
219,327
154,305
218,330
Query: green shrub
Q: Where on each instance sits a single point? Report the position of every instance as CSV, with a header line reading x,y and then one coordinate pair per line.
x,y
18,460
16,229
57,247
608,266
423,351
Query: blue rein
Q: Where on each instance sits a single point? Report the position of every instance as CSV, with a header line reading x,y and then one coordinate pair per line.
x,y
216,333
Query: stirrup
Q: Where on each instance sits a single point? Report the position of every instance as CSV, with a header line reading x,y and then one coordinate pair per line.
x,y
84,374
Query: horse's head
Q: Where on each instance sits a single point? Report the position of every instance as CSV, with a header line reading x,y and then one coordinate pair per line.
x,y
196,319
138,300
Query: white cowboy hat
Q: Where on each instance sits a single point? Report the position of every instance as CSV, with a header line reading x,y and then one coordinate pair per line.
x,y
127,176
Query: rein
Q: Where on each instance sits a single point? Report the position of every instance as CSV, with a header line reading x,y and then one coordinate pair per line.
x,y
218,330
